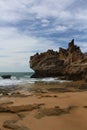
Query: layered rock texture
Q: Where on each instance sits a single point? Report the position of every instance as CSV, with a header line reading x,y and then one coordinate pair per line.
x,y
69,63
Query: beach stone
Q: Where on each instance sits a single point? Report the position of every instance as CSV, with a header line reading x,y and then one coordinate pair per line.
x,y
1,94
11,124
15,109
56,111
83,86
6,76
21,93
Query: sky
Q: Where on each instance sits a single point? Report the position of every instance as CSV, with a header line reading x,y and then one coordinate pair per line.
x,y
30,26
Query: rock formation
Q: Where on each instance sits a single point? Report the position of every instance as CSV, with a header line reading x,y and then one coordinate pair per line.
x,y
70,63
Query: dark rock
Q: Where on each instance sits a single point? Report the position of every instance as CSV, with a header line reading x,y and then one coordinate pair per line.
x,y
6,76
84,106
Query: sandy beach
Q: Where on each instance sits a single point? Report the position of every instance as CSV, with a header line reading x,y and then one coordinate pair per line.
x,y
44,107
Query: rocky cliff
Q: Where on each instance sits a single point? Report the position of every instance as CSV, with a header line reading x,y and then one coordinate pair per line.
x,y
70,63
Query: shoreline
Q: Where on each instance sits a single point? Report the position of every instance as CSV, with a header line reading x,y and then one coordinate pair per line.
x,y
71,86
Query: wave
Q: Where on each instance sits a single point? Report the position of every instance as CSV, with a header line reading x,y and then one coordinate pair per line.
x,y
26,79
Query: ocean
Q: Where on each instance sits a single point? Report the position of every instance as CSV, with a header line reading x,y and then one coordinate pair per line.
x,y
18,78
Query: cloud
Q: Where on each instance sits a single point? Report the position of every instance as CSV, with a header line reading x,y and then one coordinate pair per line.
x,y
61,28
15,45
28,26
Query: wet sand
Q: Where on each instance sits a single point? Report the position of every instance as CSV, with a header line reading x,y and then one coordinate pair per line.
x,y
43,107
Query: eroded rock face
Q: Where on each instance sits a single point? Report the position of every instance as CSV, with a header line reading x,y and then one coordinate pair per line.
x,y
67,62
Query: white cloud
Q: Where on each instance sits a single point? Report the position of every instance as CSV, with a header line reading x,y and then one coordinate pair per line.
x,y
50,7
65,11
17,10
13,42
61,28
45,22
57,16
82,46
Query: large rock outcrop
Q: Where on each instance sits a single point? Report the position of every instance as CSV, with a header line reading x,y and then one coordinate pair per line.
x,y
70,63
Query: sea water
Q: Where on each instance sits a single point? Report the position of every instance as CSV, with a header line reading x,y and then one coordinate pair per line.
x,y
18,78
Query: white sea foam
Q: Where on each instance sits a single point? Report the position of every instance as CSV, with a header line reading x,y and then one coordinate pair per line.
x,y
13,78
8,82
26,79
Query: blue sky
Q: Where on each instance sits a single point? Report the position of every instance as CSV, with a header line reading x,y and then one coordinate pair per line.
x,y
30,26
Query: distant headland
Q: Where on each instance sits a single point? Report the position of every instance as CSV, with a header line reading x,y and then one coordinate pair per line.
x,y
68,63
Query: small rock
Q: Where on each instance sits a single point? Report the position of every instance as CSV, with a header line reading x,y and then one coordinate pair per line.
x,y
10,124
